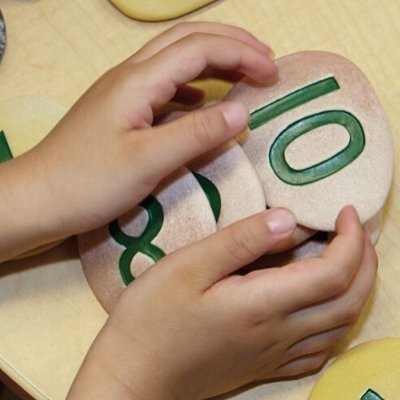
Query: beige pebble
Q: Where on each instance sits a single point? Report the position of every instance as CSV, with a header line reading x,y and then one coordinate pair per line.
x,y
177,214
318,138
237,183
236,191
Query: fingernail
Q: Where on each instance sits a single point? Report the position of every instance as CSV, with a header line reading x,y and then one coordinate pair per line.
x,y
235,114
280,220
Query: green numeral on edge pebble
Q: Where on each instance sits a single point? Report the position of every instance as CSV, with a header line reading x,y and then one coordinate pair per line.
x,y
5,152
371,395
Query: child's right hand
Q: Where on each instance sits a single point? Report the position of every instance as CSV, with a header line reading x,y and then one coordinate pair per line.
x,y
188,328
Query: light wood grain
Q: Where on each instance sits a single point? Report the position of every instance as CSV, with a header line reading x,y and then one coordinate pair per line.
x,y
56,49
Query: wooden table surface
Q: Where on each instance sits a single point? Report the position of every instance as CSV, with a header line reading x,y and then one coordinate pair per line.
x,y
56,49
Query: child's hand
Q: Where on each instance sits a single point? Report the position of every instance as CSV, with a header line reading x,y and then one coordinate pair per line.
x,y
103,158
189,329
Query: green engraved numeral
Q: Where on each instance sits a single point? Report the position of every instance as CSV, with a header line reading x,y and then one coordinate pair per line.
x,y
371,395
292,100
212,193
328,167
5,152
141,244
304,125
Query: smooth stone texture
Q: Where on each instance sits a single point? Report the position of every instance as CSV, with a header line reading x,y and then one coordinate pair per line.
x,y
25,121
369,371
187,218
351,102
160,10
3,37
239,187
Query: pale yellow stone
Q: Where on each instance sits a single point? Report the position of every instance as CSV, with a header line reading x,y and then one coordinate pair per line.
x,y
373,366
158,10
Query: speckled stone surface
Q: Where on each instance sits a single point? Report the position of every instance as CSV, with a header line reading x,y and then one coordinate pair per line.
x,y
187,217
229,169
364,181
3,38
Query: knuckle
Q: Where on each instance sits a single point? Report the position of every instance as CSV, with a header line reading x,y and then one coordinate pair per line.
x,y
202,129
352,310
338,282
183,28
195,37
303,365
317,362
242,245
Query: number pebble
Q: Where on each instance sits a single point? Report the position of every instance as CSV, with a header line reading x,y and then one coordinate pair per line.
x,y
318,138
177,214
369,371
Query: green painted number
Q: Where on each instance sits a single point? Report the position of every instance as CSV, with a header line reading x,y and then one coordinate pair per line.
x,y
5,152
141,244
212,193
304,125
371,395
291,101
328,167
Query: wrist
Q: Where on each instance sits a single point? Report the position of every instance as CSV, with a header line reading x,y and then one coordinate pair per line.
x,y
26,214
114,369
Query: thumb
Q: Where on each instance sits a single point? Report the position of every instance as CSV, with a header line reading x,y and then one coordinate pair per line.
x,y
215,257
179,141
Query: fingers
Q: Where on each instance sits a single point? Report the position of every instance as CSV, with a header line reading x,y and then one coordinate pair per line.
x,y
319,342
312,281
345,308
219,255
184,60
184,29
303,365
175,143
